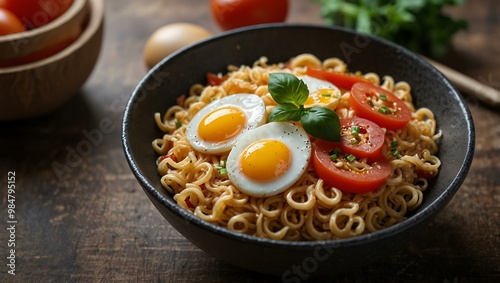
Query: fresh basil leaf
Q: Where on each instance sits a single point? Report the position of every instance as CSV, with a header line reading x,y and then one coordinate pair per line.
x,y
322,123
287,88
284,112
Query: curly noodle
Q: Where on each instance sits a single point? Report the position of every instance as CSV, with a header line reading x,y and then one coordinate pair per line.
x,y
309,210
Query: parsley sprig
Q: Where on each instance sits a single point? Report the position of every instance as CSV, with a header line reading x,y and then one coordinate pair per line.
x,y
422,26
291,93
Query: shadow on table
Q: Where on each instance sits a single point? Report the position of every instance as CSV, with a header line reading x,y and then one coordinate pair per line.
x,y
438,254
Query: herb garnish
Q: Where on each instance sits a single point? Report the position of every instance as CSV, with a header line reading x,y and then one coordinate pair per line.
x,y
394,148
334,154
384,110
291,93
422,26
221,168
178,123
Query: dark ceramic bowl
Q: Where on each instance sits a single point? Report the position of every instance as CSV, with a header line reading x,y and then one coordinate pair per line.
x,y
279,42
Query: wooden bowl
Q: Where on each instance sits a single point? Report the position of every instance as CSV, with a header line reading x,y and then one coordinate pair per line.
x,y
18,46
37,88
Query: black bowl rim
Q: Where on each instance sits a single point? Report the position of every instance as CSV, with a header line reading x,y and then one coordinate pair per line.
x,y
434,207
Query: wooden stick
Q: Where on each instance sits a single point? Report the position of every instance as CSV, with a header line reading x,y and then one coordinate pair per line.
x,y
468,85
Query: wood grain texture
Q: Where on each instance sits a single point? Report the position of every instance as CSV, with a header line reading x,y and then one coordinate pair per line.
x,y
82,217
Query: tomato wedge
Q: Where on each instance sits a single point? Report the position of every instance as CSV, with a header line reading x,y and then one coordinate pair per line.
x,y
361,137
379,105
344,179
341,80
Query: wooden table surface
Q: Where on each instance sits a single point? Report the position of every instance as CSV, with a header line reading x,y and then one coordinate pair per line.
x,y
93,223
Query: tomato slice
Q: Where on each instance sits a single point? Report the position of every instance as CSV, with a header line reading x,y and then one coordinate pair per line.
x,y
10,23
344,179
379,105
361,137
341,80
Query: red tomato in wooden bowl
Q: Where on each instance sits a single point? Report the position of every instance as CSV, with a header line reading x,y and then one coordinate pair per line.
x,y
36,13
39,43
10,23
230,14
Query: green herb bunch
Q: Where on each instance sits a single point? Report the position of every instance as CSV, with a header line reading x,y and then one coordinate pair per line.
x,y
419,25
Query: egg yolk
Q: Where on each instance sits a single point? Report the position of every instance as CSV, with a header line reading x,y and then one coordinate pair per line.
x,y
222,124
265,160
320,97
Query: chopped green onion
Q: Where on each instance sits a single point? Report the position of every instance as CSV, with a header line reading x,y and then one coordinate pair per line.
x,y
334,154
326,95
382,96
178,123
221,169
350,157
354,141
394,145
354,130
384,110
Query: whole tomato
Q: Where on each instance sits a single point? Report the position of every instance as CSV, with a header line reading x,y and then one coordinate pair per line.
x,y
10,23
230,14
36,13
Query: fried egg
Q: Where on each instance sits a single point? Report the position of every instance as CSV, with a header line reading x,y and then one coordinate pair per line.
x,y
321,93
216,126
269,159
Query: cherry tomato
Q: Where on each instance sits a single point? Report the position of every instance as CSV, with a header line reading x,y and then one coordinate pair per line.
x,y
361,137
10,23
36,13
347,180
230,14
344,81
379,105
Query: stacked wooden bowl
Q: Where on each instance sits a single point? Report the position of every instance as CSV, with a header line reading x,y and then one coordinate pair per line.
x,y
35,79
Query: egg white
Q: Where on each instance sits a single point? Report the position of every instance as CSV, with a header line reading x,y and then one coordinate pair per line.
x,y
315,84
250,104
299,145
